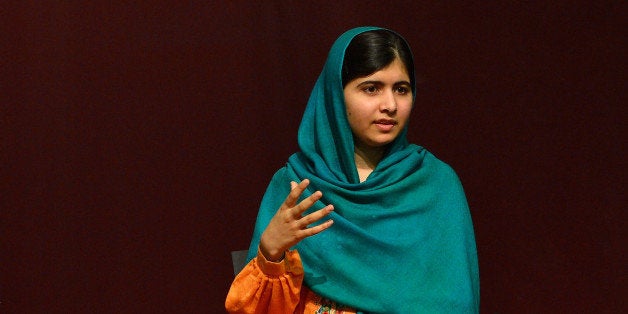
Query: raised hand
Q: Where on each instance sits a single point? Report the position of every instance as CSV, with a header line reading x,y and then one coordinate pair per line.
x,y
288,226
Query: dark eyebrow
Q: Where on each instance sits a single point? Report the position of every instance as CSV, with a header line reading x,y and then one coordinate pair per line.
x,y
380,83
403,83
370,82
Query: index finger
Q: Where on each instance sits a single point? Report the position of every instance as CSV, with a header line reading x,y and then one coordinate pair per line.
x,y
296,192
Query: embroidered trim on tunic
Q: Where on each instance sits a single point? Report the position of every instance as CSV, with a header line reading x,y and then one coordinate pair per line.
x,y
328,307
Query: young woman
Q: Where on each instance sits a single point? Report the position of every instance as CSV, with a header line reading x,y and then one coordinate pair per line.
x,y
361,221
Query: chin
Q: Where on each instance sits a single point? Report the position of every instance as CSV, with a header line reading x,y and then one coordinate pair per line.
x,y
375,141
380,143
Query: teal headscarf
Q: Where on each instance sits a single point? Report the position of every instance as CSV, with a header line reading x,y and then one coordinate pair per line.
x,y
402,241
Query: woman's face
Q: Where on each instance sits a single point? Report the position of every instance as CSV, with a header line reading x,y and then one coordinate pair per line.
x,y
379,105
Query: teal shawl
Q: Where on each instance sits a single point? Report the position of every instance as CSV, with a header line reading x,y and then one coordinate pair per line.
x,y
402,241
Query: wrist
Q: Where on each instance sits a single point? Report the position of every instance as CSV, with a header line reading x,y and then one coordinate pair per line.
x,y
274,256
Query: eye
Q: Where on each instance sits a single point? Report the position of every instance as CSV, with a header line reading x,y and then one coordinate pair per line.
x,y
402,90
370,89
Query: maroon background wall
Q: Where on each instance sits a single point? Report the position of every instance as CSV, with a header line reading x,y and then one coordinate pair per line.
x,y
137,141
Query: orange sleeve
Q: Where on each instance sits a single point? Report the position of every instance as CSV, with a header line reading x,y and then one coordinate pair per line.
x,y
267,287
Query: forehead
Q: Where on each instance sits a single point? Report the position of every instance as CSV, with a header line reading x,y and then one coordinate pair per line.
x,y
394,70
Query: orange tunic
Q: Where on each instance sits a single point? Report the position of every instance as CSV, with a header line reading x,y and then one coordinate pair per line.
x,y
268,287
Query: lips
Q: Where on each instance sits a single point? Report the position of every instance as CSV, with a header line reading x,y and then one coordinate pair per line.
x,y
386,121
385,124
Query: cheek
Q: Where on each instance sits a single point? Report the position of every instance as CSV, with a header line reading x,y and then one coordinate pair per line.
x,y
352,119
404,112
354,114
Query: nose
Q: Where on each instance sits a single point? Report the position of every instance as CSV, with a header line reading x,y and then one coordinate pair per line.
x,y
388,103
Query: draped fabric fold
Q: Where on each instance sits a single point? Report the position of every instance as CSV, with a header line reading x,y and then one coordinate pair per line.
x,y
402,241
